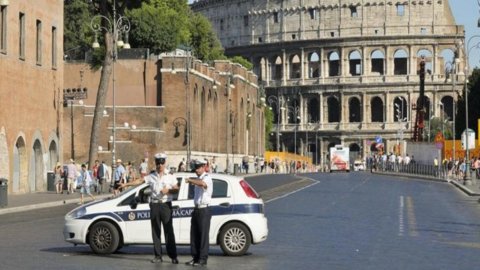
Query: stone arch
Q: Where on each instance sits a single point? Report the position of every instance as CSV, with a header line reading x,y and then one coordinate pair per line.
x,y
334,109
53,151
37,179
20,166
354,110
314,65
277,68
400,62
4,160
355,63
376,110
295,67
355,152
313,110
333,64
427,56
447,102
377,62
400,113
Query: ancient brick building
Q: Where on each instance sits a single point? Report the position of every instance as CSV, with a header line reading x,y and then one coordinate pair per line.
x,y
173,103
345,71
31,81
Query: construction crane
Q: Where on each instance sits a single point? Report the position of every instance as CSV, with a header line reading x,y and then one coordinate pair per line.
x,y
420,115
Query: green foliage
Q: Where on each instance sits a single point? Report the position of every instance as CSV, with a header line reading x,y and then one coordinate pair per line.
x,y
160,25
473,87
204,41
268,129
78,36
242,61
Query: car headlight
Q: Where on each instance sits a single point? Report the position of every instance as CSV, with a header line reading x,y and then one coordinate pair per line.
x,y
77,213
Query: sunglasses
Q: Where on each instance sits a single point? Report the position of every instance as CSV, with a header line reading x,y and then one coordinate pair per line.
x,y
160,161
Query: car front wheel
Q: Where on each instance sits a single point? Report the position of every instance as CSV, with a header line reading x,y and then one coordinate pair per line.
x,y
235,239
104,238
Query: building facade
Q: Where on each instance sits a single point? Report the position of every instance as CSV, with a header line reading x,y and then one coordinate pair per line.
x,y
171,103
31,81
345,71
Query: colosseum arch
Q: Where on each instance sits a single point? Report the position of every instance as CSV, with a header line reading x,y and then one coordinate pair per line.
x,y
447,63
400,112
334,109
355,63
448,105
354,110
377,62
377,110
295,68
400,62
333,64
427,56
20,166
313,65
313,110
277,68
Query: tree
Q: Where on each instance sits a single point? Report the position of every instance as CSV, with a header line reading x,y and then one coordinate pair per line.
x,y
268,128
203,39
77,31
473,87
242,61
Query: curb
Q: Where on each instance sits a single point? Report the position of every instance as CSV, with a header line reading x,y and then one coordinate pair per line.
x,y
463,188
29,207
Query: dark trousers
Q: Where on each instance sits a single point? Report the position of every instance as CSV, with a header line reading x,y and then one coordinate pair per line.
x,y
199,231
161,213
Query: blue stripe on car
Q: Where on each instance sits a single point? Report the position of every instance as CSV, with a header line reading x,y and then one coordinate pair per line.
x,y
218,210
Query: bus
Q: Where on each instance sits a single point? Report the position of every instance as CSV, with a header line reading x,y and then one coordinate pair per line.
x,y
339,158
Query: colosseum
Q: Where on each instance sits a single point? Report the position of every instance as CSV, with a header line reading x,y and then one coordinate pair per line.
x,y
345,71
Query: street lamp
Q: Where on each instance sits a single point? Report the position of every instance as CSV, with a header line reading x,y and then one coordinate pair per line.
x,y
116,27
451,68
278,101
229,85
442,116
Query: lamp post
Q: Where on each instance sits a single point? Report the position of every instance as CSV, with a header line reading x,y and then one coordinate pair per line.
x,y
451,68
278,101
115,27
228,117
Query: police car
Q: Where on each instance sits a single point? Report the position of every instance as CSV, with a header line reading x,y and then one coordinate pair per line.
x,y
238,218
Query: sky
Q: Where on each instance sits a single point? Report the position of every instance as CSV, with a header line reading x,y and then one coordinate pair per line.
x,y
466,13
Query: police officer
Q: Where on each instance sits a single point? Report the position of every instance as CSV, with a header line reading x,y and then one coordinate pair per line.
x,y
163,185
200,223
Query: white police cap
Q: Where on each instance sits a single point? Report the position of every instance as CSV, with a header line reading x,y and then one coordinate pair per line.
x,y
160,156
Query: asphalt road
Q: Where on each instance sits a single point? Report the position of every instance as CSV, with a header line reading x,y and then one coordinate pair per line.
x,y
336,221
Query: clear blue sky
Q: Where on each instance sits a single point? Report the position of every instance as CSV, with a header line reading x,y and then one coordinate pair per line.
x,y
466,13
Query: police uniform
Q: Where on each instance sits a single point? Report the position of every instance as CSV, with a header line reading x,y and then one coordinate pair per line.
x,y
161,211
200,222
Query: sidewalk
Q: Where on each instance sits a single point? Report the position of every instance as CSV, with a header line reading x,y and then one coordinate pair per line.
x,y
39,200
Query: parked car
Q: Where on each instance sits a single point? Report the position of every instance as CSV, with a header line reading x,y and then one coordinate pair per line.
x,y
238,218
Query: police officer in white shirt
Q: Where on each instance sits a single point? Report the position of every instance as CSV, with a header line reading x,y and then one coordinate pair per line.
x,y
200,223
163,185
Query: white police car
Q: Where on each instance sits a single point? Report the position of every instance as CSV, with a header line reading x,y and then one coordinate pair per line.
x,y
238,218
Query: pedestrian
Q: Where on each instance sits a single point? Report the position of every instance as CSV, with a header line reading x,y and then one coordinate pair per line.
x,y
72,176
85,183
201,216
118,177
163,186
102,176
143,168
182,166
58,178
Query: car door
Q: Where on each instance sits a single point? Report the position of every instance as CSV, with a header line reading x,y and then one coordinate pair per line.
x,y
221,207
137,217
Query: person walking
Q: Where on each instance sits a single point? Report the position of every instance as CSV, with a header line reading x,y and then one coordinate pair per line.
x,y
163,186
118,177
143,168
71,176
201,215
102,176
58,178
85,184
